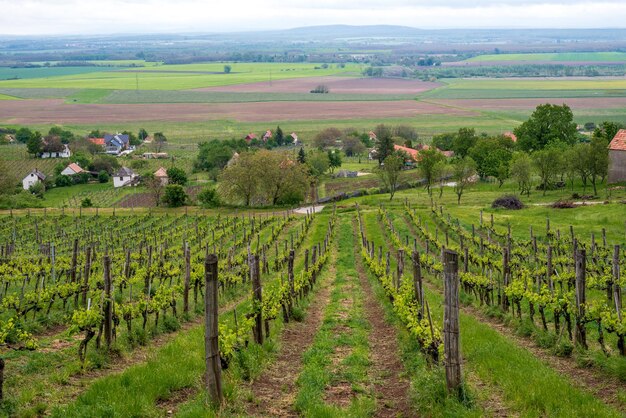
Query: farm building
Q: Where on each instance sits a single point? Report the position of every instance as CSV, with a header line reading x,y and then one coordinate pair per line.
x,y
72,170
250,137
115,144
267,136
294,138
125,177
155,155
63,153
33,178
233,159
617,157
161,174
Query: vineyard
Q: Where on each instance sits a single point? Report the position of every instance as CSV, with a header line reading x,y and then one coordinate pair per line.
x,y
338,313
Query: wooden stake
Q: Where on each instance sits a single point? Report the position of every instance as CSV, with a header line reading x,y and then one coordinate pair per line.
x,y
213,375
580,336
451,321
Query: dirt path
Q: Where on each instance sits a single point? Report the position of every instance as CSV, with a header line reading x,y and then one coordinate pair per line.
x,y
390,387
275,390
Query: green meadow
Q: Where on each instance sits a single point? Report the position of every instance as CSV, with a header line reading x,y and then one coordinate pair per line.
x,y
554,57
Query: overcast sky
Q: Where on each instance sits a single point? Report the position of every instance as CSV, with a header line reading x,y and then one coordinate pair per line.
x,y
38,17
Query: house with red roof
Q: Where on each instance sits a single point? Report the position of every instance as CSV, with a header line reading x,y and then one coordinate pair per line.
x,y
250,137
617,157
511,135
72,170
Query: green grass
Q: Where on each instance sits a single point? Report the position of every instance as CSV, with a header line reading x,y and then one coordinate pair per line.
x,y
44,93
179,77
478,88
339,355
554,57
6,97
88,96
29,74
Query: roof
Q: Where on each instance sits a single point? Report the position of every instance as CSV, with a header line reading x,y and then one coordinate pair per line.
x,y
161,172
250,136
619,141
372,135
410,151
38,173
125,172
120,138
511,135
97,141
75,168
268,134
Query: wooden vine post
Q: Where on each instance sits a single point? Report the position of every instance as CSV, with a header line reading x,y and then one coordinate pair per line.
x,y
213,374
257,292
187,279
617,297
451,321
417,282
108,303
580,336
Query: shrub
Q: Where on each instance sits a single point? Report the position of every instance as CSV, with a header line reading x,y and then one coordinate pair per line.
x,y
208,198
507,202
175,195
86,203
103,177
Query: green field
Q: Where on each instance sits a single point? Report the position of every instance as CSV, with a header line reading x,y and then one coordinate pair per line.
x,y
179,77
477,88
7,73
554,57
6,97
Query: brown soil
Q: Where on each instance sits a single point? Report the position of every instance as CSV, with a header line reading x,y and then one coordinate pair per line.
x,y
601,385
178,397
390,387
339,85
56,111
530,104
275,390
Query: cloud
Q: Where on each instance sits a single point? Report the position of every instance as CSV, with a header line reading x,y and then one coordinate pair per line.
x,y
37,17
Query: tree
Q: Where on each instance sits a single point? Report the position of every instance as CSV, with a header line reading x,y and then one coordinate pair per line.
x,y
52,143
154,185
428,164
464,139
548,123
441,172
385,144
492,157
103,177
240,180
547,164
176,176
213,156
132,139
463,171
279,137
389,172
607,130
334,160
284,180
579,156
159,140
352,146
208,197
301,156
142,134
327,138
34,145
521,171
23,135
174,195
405,132
598,161
318,163
227,69
443,141
107,163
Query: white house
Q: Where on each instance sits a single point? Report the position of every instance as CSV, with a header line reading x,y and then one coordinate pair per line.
x,y
65,153
125,177
72,170
33,178
161,174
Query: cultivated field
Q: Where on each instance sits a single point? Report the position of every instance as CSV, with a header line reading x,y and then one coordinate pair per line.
x,y
557,57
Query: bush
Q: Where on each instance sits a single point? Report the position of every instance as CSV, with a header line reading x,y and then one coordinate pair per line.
x,y
175,195
208,198
507,202
103,177
63,181
177,176
86,203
